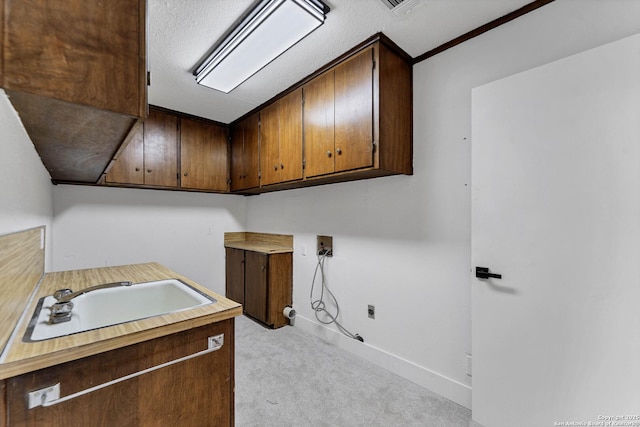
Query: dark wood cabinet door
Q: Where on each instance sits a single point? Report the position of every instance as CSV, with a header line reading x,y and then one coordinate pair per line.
x,y
204,384
128,166
319,125
203,155
237,148
234,272
290,125
195,392
251,151
161,149
89,53
244,153
354,112
280,282
255,285
270,144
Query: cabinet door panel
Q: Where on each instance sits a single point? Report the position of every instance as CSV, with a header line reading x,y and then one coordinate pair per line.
x,y
354,112
269,144
251,154
201,388
280,288
161,149
204,384
318,125
255,300
128,167
235,274
203,155
290,108
237,148
84,52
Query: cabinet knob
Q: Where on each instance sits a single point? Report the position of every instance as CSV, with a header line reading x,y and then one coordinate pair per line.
x,y
275,167
137,169
281,166
339,150
148,170
186,174
329,153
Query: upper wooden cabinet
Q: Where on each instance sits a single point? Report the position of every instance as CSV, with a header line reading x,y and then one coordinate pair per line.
x,y
75,71
339,117
357,122
151,154
203,156
244,153
88,53
161,149
281,140
128,165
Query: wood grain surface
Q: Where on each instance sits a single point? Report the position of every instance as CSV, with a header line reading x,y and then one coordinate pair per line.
x,y
22,357
259,242
21,268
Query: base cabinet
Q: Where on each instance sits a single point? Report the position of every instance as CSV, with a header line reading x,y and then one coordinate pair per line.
x,y
262,283
195,392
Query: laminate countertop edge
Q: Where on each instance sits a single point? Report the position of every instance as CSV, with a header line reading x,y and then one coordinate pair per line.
x,y
20,357
259,247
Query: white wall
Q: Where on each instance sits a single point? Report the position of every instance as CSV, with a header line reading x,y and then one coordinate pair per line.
x,y
97,227
403,243
26,199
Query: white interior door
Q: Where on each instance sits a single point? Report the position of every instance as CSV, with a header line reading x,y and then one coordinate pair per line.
x,y
556,211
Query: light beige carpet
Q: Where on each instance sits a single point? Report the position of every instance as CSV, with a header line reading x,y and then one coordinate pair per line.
x,y
286,377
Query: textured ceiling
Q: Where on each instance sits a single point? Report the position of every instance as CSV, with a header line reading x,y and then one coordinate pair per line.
x,y
181,32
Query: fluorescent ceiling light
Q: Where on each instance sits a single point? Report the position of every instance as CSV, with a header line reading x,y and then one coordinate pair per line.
x,y
267,31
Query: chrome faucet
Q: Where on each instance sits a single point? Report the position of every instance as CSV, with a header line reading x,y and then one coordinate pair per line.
x,y
61,310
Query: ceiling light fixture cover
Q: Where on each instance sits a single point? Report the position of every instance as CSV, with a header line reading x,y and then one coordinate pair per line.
x,y
267,31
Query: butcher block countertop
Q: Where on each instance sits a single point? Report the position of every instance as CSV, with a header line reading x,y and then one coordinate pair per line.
x,y
20,357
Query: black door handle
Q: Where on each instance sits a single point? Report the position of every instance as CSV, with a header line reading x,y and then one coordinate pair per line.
x,y
483,273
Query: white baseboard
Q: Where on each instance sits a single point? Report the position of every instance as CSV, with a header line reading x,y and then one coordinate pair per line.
x,y
433,381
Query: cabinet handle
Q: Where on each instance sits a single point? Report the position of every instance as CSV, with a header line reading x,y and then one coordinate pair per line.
x,y
339,150
328,153
186,174
215,344
275,167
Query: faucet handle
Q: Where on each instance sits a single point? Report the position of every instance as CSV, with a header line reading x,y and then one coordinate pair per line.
x,y
60,312
61,293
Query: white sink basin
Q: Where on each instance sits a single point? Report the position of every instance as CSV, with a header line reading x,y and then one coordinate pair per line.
x,y
111,306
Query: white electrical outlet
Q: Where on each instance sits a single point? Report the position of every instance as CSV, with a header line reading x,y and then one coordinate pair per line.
x,y
44,395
